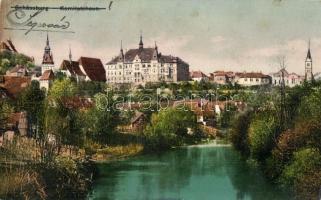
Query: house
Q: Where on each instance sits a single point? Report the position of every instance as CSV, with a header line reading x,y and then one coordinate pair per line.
x,y
204,113
77,102
18,70
46,79
12,86
290,79
222,77
85,69
71,69
18,123
138,121
252,79
92,68
198,76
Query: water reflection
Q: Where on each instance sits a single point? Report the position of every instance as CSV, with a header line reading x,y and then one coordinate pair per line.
x,y
187,173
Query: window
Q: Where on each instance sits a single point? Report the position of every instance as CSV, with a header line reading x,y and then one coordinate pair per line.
x,y
245,79
251,79
257,80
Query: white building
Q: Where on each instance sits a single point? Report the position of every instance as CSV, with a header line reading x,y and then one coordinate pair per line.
x,y
142,65
46,79
198,76
290,79
252,79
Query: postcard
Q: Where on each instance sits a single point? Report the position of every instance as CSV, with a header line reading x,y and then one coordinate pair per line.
x,y
160,99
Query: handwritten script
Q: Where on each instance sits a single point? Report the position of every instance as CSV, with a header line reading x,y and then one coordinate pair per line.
x,y
28,21
26,18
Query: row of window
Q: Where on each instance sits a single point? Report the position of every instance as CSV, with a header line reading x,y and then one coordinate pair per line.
x,y
126,66
256,80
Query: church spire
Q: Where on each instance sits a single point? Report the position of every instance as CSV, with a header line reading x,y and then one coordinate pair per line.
x,y
121,54
47,48
308,65
70,55
309,52
141,44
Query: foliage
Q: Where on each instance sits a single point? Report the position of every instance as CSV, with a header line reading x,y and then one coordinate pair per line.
x,y
62,121
102,119
9,60
169,127
238,134
303,172
90,88
31,100
227,115
262,132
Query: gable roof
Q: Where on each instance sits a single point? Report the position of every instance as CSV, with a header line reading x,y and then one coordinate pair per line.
x,y
72,67
137,116
93,68
47,75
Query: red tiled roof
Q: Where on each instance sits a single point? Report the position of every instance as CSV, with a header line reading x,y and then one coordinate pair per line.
x,y
252,75
197,74
222,73
93,68
77,102
14,85
47,75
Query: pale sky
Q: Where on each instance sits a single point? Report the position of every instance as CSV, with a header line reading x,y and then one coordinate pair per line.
x,y
210,35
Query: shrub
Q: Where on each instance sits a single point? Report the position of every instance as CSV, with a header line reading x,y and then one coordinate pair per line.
x,y
261,133
304,173
238,134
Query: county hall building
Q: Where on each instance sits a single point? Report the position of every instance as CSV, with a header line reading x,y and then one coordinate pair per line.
x,y
143,65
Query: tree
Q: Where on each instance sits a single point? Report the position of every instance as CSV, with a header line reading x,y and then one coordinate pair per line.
x,y
304,173
239,133
261,133
169,127
32,101
61,120
102,119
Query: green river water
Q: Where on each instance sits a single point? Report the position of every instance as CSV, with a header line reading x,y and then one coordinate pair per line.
x,y
202,172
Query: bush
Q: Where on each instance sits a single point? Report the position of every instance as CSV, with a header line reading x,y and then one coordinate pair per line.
x,y
262,132
238,134
169,128
304,173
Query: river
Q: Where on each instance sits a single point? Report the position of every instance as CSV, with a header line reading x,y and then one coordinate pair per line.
x,y
201,172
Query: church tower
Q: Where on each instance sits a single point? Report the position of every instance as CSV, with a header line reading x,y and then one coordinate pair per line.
x,y
141,44
308,66
47,59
